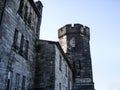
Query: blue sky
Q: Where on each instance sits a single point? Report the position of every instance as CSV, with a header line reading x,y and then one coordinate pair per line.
x,y
103,18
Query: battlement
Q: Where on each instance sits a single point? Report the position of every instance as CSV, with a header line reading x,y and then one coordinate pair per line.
x,y
76,28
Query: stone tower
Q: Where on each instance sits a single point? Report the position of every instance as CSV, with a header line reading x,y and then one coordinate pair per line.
x,y
75,43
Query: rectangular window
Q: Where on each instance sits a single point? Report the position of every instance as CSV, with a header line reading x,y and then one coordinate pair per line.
x,y
26,14
15,40
9,81
59,86
17,81
66,70
26,49
29,19
20,10
60,63
21,45
23,82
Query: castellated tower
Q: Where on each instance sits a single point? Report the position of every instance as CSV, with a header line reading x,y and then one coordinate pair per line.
x,y
75,43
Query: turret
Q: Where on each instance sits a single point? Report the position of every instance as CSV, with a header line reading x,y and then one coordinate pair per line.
x,y
69,35
75,42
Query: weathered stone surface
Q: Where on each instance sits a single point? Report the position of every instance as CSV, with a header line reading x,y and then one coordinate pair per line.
x,y
75,42
16,69
52,68
27,63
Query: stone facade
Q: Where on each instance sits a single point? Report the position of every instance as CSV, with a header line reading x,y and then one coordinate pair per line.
x,y
28,63
18,30
75,43
53,71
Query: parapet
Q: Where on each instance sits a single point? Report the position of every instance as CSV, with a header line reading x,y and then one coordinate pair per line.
x,y
76,28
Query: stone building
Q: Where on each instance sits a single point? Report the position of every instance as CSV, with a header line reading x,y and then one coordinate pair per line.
x,y
28,63
19,29
75,42
53,70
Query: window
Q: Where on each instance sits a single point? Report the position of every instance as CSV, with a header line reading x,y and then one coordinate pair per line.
x,y
66,70
26,13
15,40
23,82
29,18
17,81
9,81
60,63
59,86
20,10
21,45
26,49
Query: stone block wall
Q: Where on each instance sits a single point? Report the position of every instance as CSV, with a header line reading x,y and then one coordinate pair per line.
x,y
63,72
53,71
17,47
75,42
45,67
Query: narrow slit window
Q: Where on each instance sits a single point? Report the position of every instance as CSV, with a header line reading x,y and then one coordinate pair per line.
x,y
15,40
23,82
20,10
21,45
26,49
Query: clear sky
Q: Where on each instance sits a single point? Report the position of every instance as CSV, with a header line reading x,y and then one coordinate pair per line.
x,y
103,18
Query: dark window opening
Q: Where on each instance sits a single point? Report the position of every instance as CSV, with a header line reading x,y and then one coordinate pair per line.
x,y
15,40
66,70
23,82
21,45
26,14
17,81
60,63
20,10
26,49
79,65
59,86
29,19
9,80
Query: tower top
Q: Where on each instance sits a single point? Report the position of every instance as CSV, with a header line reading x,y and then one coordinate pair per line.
x,y
76,28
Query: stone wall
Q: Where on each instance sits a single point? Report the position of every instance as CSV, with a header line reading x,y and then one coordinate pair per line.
x,y
17,47
53,71
63,72
45,67
75,43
